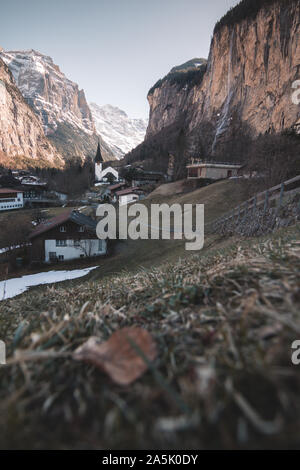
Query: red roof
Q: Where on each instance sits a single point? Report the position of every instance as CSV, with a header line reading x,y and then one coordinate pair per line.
x,y
51,223
7,190
116,186
128,191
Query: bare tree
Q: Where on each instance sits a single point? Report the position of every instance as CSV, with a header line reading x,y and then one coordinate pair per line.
x,y
85,246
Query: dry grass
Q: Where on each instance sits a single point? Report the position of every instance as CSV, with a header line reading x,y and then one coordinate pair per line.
x,y
224,322
218,198
48,212
169,189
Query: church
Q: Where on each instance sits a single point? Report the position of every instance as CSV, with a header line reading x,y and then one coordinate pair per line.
x,y
104,172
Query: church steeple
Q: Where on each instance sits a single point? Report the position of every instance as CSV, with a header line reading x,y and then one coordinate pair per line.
x,y
98,157
98,164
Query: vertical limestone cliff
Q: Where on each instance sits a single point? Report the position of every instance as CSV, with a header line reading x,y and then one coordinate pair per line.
x,y
247,85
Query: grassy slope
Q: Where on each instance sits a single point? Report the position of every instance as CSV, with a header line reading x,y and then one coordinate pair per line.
x,y
132,255
224,320
218,198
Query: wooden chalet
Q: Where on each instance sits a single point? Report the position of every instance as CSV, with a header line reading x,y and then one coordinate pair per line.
x,y
70,235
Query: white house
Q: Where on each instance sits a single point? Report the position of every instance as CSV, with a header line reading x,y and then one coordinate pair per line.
x,y
68,236
10,199
126,196
198,169
68,249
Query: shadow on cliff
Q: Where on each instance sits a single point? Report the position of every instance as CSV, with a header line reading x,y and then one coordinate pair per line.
x,y
274,156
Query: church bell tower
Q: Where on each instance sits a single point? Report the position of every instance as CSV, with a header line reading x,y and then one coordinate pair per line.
x,y
98,164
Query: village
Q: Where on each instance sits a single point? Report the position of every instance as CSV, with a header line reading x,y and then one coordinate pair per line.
x,y
64,227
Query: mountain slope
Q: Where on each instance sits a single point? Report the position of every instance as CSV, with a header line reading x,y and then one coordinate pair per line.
x,y
22,138
61,106
120,132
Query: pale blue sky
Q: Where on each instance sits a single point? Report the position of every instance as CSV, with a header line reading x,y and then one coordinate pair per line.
x,y
114,49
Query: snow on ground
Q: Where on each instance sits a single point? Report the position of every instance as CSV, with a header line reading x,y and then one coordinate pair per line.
x,y
15,247
12,287
4,250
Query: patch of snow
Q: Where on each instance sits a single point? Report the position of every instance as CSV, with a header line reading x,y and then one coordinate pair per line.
x,y
12,287
4,250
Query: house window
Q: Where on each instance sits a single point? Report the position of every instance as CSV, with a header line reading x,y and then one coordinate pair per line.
x,y
62,228
193,172
76,242
61,257
100,244
52,255
81,228
61,242
229,173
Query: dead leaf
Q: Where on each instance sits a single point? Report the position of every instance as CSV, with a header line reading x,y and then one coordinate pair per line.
x,y
269,331
121,357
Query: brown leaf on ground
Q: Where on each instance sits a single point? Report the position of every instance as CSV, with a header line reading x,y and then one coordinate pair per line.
x,y
269,331
123,357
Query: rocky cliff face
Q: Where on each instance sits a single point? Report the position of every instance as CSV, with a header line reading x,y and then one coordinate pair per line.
x,y
61,106
119,131
22,138
247,86
169,98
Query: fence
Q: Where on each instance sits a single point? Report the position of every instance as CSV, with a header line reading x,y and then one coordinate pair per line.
x,y
260,203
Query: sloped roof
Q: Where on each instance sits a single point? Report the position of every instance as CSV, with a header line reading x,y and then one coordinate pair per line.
x,y
74,216
82,219
9,190
215,165
116,186
128,191
22,188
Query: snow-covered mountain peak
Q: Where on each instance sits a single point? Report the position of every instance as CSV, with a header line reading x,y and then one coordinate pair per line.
x,y
117,129
110,110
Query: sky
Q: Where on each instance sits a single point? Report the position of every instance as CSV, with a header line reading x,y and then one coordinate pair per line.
x,y
114,49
